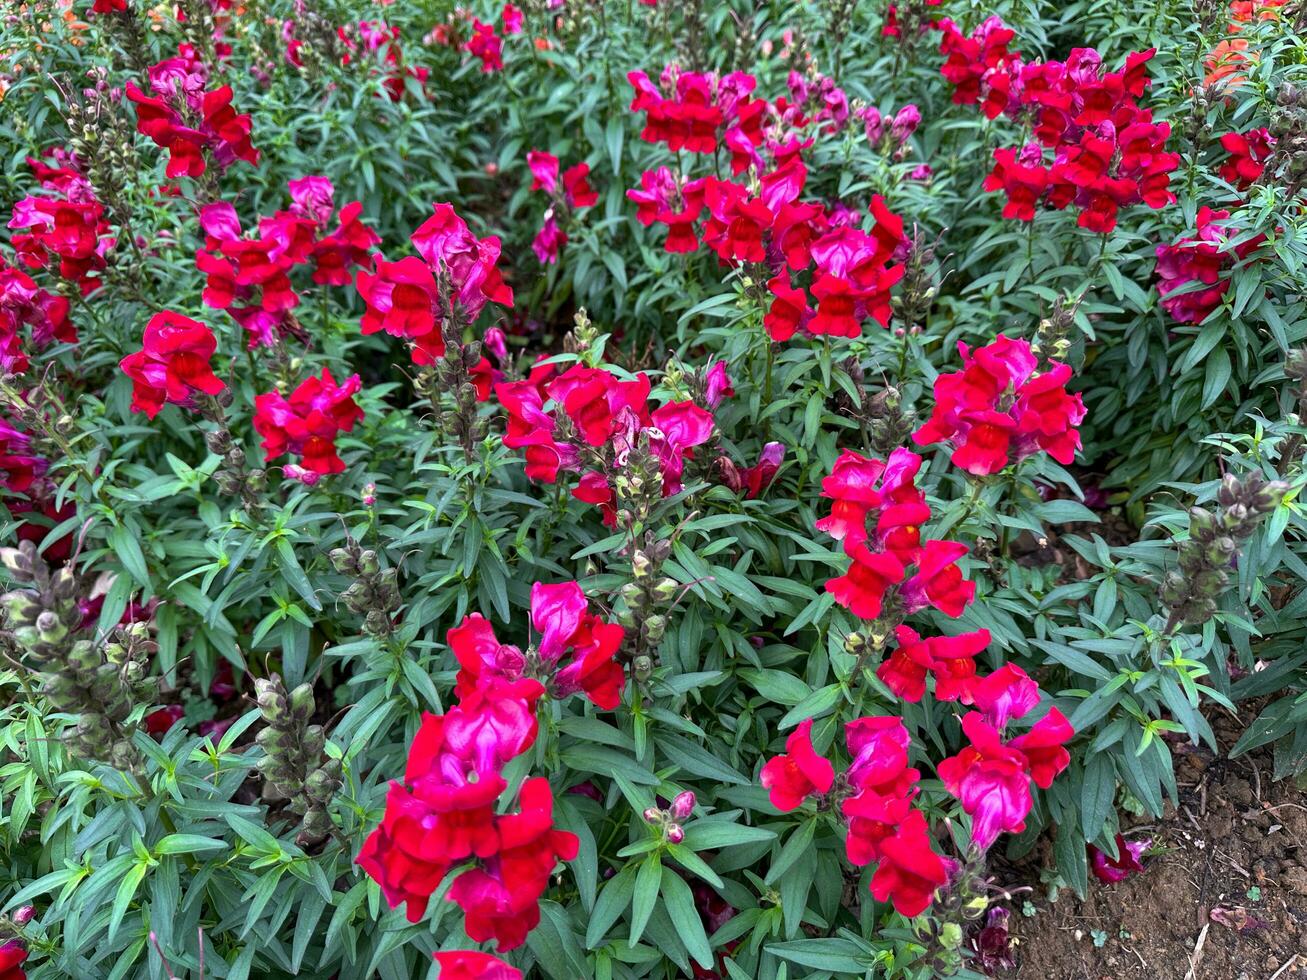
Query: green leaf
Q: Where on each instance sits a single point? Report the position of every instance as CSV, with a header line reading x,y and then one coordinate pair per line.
x,y
1097,795
128,551
126,891
188,844
679,902
647,882
613,900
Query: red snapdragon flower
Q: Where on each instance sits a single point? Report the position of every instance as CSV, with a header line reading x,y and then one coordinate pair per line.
x,y
574,653
893,555
1127,862
970,59
753,480
173,363
992,778
793,777
306,424
1248,154
910,871
500,897
998,408
444,811
19,468
12,955
486,45
604,418
1200,261
875,796
24,304
472,965
193,124
950,659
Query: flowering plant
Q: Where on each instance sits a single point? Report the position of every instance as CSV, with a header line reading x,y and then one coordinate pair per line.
x,y
631,491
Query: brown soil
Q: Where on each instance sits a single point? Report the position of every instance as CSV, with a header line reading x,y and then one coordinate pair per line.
x,y
1235,854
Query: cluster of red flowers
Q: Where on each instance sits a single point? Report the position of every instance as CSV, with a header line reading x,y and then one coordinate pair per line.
x,y
594,422
568,196
249,277
1248,153
380,42
173,363
417,299
67,224
875,795
574,653
991,777
1107,153
194,123
445,812
307,423
851,270
999,408
877,513
24,304
883,555
19,467
1191,273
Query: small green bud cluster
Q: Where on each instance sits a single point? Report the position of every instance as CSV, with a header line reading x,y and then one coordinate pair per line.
x,y
1192,589
645,596
374,593
99,686
293,765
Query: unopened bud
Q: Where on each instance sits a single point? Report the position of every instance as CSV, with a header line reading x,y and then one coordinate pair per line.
x,y
682,806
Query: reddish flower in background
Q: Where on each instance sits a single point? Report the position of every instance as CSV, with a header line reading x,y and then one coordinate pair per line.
x,y
18,467
997,409
173,363
793,777
576,186
549,240
472,965
486,45
1127,862
753,480
192,124
23,303
1201,262
1248,154
969,59
307,423
512,18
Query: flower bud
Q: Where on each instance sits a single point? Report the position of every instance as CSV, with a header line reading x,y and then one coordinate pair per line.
x,y
950,935
666,589
682,806
342,561
674,833
653,815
